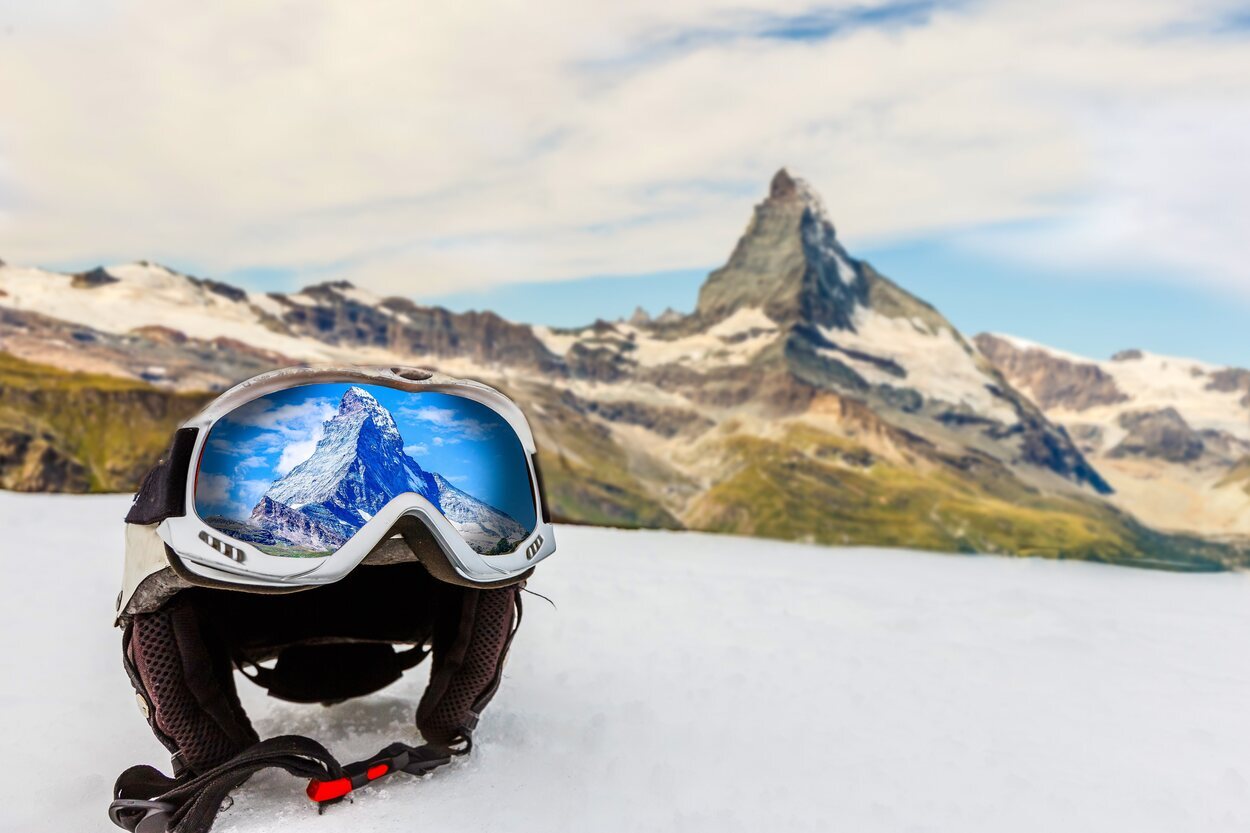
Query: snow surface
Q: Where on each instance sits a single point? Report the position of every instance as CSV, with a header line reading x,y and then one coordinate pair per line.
x,y
557,343
938,364
1154,382
701,683
149,294
735,340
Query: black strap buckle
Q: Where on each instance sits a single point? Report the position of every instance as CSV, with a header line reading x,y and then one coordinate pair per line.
x,y
155,818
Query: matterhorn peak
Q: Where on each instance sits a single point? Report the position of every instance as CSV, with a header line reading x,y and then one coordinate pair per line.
x,y
357,467
788,263
357,408
357,399
788,189
783,185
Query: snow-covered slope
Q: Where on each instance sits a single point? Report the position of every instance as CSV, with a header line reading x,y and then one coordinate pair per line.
x,y
1207,396
146,294
699,683
1172,435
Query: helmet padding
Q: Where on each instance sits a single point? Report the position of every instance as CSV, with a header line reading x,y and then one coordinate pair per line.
x,y
329,643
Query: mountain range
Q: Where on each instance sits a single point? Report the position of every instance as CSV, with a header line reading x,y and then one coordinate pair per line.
x,y
807,397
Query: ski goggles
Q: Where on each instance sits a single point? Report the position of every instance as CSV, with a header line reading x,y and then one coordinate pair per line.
x,y
294,477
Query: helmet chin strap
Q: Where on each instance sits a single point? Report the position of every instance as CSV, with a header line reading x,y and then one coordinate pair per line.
x,y
148,801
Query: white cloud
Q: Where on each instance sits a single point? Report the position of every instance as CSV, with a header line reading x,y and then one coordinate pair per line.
x,y
262,413
297,452
292,430
249,493
420,148
417,449
1178,205
448,421
213,489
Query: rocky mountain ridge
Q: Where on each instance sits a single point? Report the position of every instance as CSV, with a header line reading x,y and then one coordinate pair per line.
x,y
806,397
1170,434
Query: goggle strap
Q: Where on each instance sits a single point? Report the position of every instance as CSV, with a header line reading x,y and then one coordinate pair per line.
x,y
164,490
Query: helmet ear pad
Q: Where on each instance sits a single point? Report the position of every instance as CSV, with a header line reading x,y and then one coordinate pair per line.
x,y
183,678
471,643
181,657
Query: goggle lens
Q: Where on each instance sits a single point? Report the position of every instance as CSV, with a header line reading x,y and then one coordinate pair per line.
x,y
299,471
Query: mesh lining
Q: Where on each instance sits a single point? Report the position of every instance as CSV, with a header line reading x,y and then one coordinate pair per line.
x,y
443,720
182,665
178,714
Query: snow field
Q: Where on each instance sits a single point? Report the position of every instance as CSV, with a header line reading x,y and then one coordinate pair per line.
x,y
691,682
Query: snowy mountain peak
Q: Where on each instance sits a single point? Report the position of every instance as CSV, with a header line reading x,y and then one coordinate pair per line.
x,y
788,263
783,185
358,399
362,442
357,467
787,188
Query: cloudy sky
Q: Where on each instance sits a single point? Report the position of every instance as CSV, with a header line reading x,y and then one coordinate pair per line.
x,y
1074,171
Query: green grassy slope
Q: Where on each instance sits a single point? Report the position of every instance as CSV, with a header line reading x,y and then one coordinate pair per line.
x,y
796,490
81,432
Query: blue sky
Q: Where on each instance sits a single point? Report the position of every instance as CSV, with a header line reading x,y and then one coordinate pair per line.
x,y
462,440
997,157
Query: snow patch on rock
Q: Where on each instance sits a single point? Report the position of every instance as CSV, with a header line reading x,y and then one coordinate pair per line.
x,y
940,365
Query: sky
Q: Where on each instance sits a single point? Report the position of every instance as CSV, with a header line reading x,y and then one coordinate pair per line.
x,y
266,439
1074,172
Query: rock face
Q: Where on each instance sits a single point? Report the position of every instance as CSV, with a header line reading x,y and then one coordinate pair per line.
x,y
789,263
1051,381
358,466
338,316
36,463
1232,379
93,278
1160,434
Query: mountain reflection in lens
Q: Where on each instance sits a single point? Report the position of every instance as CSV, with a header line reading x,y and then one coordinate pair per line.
x,y
298,472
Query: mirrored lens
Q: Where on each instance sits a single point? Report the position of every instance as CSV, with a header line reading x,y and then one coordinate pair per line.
x,y
298,472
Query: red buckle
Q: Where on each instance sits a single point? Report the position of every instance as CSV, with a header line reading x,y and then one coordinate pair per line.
x,y
321,791
358,775
397,757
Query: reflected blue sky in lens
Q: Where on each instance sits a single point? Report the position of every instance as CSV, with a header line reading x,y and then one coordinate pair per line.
x,y
262,441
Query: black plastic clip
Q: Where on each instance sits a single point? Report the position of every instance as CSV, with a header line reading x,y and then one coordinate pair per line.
x,y
155,818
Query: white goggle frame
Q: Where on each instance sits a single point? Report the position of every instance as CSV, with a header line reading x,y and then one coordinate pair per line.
x,y
206,552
